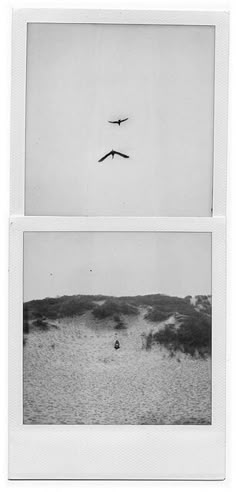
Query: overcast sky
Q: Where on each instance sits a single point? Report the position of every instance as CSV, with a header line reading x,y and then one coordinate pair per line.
x,y
115,263
80,76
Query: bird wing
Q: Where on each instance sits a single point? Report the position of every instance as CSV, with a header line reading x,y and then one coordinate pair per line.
x,y
125,119
122,155
112,121
104,157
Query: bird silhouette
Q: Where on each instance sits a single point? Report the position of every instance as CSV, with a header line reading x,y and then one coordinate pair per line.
x,y
112,153
118,122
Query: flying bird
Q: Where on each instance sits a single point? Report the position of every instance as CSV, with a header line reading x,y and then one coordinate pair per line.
x,y
112,153
118,122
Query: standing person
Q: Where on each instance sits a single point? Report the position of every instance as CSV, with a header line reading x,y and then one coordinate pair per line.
x,y
117,344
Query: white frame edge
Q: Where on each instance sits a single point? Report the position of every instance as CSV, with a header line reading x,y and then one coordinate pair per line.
x,y
107,452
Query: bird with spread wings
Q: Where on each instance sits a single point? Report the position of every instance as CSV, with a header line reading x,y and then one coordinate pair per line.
x,y
118,122
112,153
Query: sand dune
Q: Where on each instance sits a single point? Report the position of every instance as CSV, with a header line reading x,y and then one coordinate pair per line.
x,y
73,375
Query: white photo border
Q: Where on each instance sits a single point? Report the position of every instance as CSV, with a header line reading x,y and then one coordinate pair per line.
x,y
117,452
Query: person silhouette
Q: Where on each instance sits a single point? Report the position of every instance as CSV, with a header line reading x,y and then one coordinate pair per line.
x,y
117,344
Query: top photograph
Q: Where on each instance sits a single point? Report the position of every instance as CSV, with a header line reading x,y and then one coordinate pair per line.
x,y
119,120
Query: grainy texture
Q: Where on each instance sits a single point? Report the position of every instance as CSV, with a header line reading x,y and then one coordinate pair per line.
x,y
73,375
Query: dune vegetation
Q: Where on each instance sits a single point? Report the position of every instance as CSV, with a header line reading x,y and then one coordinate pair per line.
x,y
191,337
189,330
111,308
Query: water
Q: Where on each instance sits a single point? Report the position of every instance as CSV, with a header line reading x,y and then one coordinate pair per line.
x,y
73,375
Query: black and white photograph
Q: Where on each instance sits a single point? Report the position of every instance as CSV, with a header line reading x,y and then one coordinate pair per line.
x,y
117,328
117,257
119,120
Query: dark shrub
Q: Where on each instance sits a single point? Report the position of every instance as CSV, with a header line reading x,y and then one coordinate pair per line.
x,y
192,337
113,308
120,326
74,306
197,334
149,341
41,324
157,315
58,307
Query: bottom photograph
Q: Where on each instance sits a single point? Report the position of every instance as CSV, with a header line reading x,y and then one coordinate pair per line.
x,y
117,328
